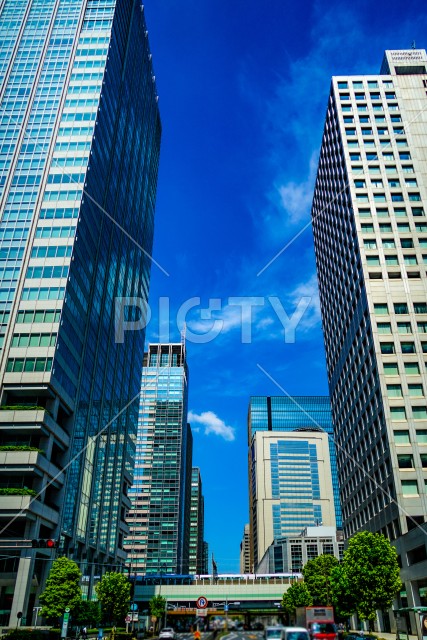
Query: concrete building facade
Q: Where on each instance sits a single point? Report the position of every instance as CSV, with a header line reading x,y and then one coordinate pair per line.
x,y
291,485
370,233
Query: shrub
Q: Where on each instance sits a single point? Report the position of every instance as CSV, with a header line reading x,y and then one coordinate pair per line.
x,y
17,491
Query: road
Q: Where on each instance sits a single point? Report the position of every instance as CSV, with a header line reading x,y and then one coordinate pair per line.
x,y
231,635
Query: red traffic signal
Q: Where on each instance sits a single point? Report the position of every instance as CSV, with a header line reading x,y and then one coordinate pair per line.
x,y
43,543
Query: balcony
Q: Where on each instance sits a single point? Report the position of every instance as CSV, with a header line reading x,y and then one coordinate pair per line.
x,y
33,462
27,420
24,506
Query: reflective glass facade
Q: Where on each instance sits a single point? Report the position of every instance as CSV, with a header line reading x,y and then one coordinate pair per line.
x,y
159,520
79,151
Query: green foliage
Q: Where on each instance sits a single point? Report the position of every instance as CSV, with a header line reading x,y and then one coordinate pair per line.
x,y
19,447
342,595
87,614
157,606
21,407
297,595
371,573
62,589
113,592
17,491
317,576
25,634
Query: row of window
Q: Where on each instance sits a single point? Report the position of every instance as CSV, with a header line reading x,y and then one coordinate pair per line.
x,y
399,413
392,260
384,212
16,365
42,315
389,243
394,275
56,232
389,348
402,327
382,197
385,227
360,84
378,119
53,251
43,293
34,340
400,308
410,368
414,390
59,213
59,271
393,183
363,107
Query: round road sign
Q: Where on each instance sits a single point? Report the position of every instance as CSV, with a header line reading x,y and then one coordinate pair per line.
x,y
202,602
127,619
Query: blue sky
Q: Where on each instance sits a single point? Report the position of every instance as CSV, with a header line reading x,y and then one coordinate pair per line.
x,y
243,88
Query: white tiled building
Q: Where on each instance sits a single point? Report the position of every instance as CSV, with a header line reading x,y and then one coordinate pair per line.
x,y
370,235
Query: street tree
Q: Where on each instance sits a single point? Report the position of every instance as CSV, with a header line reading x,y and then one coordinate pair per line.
x,y
341,594
371,572
317,576
113,593
157,606
297,595
87,614
62,589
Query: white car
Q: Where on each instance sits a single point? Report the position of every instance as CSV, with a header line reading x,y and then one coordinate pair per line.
x,y
167,633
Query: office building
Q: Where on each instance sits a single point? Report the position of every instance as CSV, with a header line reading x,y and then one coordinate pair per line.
x,y
290,554
291,484
79,152
159,520
245,552
197,516
287,414
370,234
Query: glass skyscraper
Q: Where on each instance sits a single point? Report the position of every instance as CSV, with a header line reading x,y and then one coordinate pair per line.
x,y
159,520
290,414
370,233
79,152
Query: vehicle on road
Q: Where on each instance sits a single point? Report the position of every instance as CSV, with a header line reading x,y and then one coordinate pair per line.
x,y
295,633
257,626
167,633
322,631
273,633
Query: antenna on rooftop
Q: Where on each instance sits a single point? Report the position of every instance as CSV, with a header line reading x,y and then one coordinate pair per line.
x,y
413,44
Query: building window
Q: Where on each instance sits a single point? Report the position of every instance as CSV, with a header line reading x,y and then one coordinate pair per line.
x,y
381,309
391,369
415,390
407,347
412,368
400,308
420,307
384,327
423,457
406,243
401,437
370,244
405,461
419,413
394,391
422,327
410,259
387,348
409,487
421,436
398,413
404,327
391,261
388,243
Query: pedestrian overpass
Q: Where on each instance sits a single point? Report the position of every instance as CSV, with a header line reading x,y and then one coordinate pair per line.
x,y
247,595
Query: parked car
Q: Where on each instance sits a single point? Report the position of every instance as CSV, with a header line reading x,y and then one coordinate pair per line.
x,y
167,633
295,633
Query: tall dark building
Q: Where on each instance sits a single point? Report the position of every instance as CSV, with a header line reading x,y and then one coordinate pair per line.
x,y
79,153
197,515
159,521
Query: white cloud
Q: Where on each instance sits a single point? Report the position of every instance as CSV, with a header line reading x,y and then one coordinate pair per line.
x,y
307,289
213,424
296,197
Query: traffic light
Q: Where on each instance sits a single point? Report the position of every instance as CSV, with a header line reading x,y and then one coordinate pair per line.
x,y
43,543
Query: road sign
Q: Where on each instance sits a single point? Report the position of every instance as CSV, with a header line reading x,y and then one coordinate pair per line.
x,y
67,609
127,619
202,613
197,635
202,602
